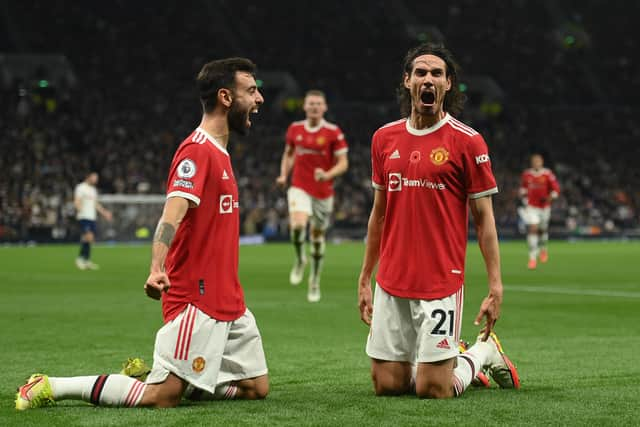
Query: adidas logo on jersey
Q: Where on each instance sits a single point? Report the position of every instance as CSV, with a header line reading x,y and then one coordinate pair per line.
x,y
444,344
395,155
225,175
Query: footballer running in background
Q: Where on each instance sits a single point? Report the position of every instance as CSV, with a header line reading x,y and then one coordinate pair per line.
x,y
428,170
538,188
85,200
209,347
316,150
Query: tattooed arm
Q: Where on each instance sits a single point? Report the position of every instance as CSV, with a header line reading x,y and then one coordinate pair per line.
x,y
174,211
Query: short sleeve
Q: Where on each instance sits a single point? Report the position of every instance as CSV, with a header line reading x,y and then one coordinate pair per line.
x,y
479,179
555,187
340,145
377,164
289,137
188,174
523,182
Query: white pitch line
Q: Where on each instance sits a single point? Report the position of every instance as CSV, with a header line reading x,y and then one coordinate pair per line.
x,y
570,291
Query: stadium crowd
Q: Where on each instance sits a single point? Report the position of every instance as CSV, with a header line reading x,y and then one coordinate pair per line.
x,y
568,87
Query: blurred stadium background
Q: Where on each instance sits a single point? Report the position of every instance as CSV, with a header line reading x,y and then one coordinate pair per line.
x,y
109,86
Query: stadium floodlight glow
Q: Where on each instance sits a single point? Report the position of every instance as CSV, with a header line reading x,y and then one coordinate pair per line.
x,y
43,83
462,87
259,82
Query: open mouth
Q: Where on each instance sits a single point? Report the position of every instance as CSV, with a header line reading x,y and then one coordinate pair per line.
x,y
428,98
252,111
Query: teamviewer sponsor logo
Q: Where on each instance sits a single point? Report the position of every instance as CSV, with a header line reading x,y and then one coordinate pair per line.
x,y
395,181
226,203
423,183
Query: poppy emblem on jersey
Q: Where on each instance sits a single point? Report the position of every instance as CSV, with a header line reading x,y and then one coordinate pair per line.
x,y
187,169
198,364
395,181
226,205
321,140
439,156
415,157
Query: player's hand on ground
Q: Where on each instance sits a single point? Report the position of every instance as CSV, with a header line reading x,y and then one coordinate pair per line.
x,y
320,175
490,311
156,284
281,181
365,301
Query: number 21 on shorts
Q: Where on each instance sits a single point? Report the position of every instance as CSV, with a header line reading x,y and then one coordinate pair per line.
x,y
445,321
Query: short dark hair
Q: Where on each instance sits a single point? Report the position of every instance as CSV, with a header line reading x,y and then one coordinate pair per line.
x,y
453,100
219,74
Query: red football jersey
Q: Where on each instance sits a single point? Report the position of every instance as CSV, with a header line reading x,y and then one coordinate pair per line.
x,y
428,176
314,148
539,186
202,262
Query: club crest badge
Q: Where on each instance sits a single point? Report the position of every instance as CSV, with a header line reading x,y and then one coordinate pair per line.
x,y
198,364
439,156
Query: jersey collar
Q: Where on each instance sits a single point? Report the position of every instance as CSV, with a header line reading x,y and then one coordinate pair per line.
x,y
212,140
315,128
426,131
538,172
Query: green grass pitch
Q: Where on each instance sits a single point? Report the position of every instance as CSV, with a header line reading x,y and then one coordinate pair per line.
x,y
572,327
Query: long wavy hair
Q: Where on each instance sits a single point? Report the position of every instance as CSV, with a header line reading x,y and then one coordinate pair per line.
x,y
453,100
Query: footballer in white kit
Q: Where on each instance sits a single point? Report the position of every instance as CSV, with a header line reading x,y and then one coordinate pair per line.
x,y
85,200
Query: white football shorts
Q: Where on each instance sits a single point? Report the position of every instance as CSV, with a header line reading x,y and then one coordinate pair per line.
x,y
532,215
318,209
206,352
413,330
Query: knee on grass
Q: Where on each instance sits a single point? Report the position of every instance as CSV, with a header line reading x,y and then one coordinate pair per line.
x,y
254,389
433,391
385,385
164,395
159,399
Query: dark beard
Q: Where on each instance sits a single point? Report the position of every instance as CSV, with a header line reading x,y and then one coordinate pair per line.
x,y
237,119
